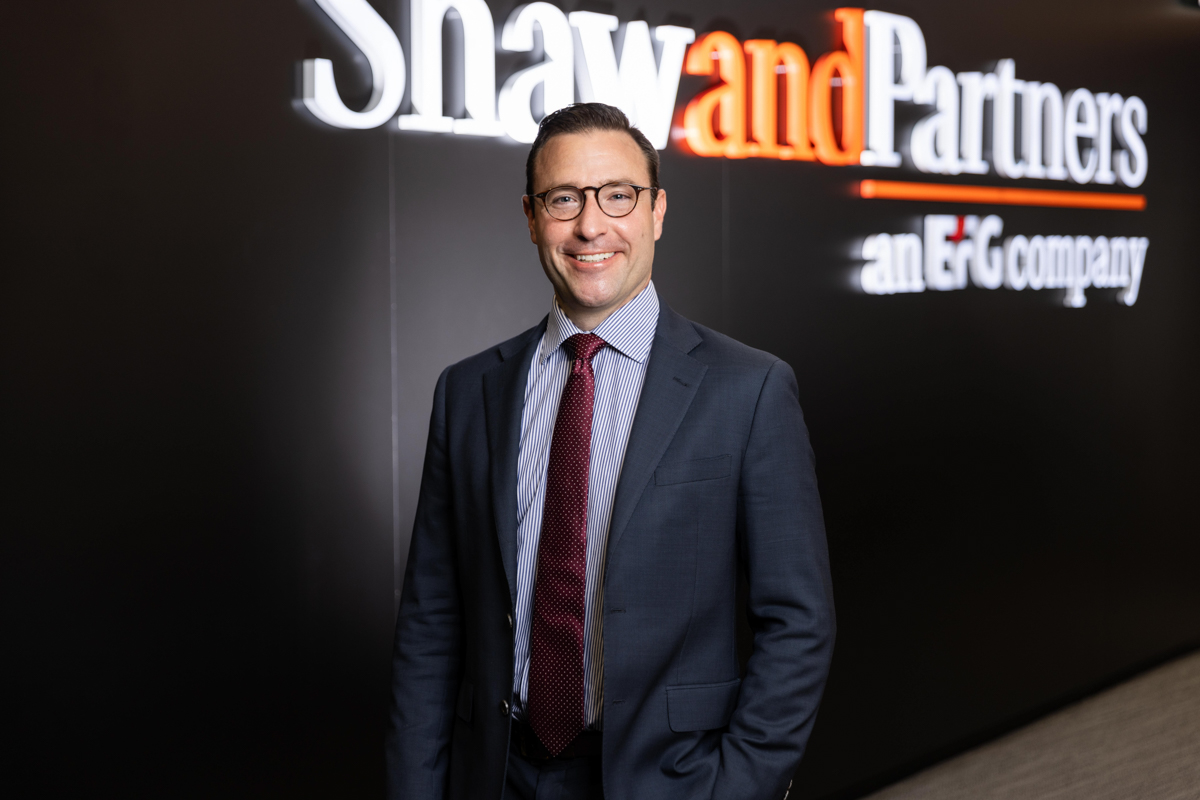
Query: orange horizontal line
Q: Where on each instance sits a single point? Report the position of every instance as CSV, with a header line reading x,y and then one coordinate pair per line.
x,y
947,193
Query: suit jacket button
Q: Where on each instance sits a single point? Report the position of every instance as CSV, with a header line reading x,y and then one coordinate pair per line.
x,y
510,619
504,707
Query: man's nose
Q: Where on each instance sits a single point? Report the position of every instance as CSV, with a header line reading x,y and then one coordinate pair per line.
x,y
592,222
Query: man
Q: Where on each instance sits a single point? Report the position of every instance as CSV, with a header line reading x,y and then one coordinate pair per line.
x,y
591,490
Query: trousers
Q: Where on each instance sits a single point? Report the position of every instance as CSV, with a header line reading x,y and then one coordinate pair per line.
x,y
556,779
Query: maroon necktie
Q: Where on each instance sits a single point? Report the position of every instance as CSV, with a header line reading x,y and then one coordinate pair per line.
x,y
556,663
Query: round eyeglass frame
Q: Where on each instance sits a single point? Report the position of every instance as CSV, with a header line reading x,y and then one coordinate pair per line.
x,y
596,190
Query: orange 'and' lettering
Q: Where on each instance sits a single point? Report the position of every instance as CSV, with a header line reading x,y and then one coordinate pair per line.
x,y
715,121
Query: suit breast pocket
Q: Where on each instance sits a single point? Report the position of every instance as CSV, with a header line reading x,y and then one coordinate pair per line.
x,y
700,469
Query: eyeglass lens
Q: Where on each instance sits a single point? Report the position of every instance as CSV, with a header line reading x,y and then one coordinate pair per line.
x,y
615,199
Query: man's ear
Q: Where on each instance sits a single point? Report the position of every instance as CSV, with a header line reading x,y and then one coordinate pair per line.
x,y
527,205
660,210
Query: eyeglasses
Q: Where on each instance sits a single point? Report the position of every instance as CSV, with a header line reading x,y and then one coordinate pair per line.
x,y
615,199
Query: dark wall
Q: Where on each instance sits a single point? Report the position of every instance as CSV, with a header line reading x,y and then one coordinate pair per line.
x,y
221,323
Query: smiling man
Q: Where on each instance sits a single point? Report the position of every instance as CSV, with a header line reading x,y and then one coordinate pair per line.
x,y
593,488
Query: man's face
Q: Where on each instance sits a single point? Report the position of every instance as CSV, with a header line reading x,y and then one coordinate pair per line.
x,y
595,262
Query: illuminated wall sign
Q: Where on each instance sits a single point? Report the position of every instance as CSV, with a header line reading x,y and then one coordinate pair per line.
x,y
1089,138
370,34
955,249
767,100
715,121
1082,136
579,52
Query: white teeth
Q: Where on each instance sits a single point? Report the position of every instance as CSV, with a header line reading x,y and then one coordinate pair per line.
x,y
595,257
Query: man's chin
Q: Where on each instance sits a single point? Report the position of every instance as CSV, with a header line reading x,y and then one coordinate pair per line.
x,y
594,296
591,304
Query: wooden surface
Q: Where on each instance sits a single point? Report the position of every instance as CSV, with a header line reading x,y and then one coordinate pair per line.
x,y
1138,740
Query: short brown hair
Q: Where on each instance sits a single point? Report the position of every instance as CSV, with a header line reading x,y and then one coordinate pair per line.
x,y
584,118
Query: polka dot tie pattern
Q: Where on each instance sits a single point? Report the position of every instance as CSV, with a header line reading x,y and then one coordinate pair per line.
x,y
556,710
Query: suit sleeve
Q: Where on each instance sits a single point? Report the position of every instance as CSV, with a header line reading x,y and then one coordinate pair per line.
x,y
428,647
781,535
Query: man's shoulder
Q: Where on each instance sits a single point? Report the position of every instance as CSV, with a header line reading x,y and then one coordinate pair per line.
x,y
714,348
474,366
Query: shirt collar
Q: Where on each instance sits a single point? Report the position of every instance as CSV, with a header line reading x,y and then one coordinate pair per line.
x,y
629,330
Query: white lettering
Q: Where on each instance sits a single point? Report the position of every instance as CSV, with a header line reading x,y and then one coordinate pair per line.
x,y
1062,252
906,257
1004,121
1081,119
883,88
977,89
1081,275
1132,164
1119,268
894,264
1137,261
958,247
645,92
379,45
556,74
1039,263
876,276
1109,106
1098,262
940,261
987,263
964,252
1016,262
479,67
1042,131
934,140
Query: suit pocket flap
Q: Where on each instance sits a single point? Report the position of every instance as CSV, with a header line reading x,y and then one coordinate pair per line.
x,y
703,707
466,696
702,469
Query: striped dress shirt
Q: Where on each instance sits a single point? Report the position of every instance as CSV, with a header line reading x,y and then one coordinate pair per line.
x,y
620,371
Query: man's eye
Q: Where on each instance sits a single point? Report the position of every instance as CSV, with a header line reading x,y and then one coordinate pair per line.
x,y
563,200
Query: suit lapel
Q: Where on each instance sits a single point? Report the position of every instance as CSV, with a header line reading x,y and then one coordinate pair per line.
x,y
672,377
503,401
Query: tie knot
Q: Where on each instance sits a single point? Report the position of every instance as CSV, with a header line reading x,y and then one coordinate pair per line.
x,y
585,345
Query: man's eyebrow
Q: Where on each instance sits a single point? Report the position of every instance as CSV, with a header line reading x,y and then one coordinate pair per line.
x,y
630,181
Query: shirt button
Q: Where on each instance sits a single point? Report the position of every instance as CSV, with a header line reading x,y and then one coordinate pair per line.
x,y
504,708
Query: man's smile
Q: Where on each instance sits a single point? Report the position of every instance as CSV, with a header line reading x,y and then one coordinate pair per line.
x,y
592,258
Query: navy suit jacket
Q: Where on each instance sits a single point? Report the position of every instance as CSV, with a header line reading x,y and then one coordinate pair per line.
x,y
718,476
